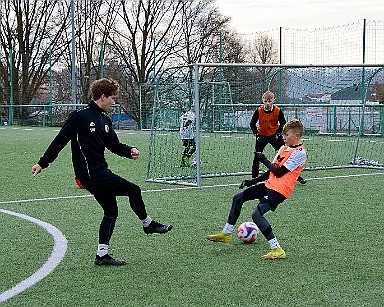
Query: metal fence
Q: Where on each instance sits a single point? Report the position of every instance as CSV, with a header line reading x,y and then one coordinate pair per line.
x,y
55,115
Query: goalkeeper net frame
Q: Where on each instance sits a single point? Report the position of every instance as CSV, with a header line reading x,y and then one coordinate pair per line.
x,y
341,107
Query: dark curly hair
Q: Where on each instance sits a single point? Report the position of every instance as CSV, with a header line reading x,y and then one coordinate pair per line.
x,y
105,86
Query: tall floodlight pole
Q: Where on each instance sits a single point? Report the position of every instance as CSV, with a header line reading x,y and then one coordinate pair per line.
x,y
74,89
50,78
221,69
153,107
50,85
281,62
10,113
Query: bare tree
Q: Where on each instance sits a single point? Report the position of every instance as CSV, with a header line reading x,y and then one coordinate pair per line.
x,y
156,35
30,39
147,36
94,19
233,48
263,50
202,23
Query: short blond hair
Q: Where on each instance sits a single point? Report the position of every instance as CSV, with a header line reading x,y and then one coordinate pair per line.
x,y
268,95
295,125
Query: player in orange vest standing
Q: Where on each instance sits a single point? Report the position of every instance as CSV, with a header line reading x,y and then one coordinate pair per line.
x,y
281,178
271,122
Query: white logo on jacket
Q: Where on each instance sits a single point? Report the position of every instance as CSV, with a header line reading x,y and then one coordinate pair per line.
x,y
106,128
92,127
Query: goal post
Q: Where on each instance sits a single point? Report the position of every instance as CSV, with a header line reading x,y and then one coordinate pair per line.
x,y
341,107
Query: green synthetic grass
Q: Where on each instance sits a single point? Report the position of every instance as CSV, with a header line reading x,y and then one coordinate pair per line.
x,y
330,228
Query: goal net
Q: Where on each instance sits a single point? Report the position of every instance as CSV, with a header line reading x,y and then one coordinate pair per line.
x,y
341,108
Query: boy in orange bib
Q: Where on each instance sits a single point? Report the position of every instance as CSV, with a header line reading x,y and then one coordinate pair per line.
x,y
281,178
271,120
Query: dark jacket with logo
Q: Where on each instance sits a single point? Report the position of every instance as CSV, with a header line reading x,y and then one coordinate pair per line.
x,y
90,132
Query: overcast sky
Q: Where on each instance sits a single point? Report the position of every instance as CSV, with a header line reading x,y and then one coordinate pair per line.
x,y
250,16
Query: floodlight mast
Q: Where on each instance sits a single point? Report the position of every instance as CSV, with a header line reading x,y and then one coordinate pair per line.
x,y
74,89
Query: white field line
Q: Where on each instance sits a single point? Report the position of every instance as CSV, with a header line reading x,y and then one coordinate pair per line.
x,y
58,252
177,189
43,199
345,176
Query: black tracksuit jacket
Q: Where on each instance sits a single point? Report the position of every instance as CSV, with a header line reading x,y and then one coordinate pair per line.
x,y
90,132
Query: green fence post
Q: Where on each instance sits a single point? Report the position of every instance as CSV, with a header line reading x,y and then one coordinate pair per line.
x,y
381,124
44,115
118,116
334,120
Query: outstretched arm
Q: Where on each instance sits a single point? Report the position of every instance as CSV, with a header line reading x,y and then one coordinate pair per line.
x,y
59,142
278,171
253,181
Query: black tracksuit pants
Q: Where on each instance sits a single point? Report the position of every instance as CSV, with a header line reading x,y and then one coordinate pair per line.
x,y
105,187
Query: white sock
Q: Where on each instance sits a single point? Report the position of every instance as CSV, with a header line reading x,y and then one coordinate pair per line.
x,y
274,243
228,228
146,221
102,250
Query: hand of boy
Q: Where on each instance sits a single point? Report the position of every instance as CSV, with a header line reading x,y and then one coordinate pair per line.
x,y
246,183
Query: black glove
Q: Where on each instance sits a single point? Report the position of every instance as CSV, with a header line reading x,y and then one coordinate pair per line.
x,y
246,183
261,157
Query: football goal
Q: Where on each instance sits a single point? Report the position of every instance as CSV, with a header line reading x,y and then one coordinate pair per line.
x,y
341,107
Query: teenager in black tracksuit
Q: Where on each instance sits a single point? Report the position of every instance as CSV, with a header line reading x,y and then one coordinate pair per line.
x,y
90,132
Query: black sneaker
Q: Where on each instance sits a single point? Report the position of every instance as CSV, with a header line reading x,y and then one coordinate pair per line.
x,y
108,260
155,227
301,180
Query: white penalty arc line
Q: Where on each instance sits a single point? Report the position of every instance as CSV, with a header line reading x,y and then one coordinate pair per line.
x,y
57,255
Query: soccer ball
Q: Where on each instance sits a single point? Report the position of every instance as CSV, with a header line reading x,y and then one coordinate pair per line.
x,y
248,232
194,162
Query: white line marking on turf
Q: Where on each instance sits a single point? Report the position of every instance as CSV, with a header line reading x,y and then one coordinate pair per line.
x,y
58,252
43,199
345,176
178,188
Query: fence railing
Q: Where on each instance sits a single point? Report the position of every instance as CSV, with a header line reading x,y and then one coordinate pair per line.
x,y
348,119
54,115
